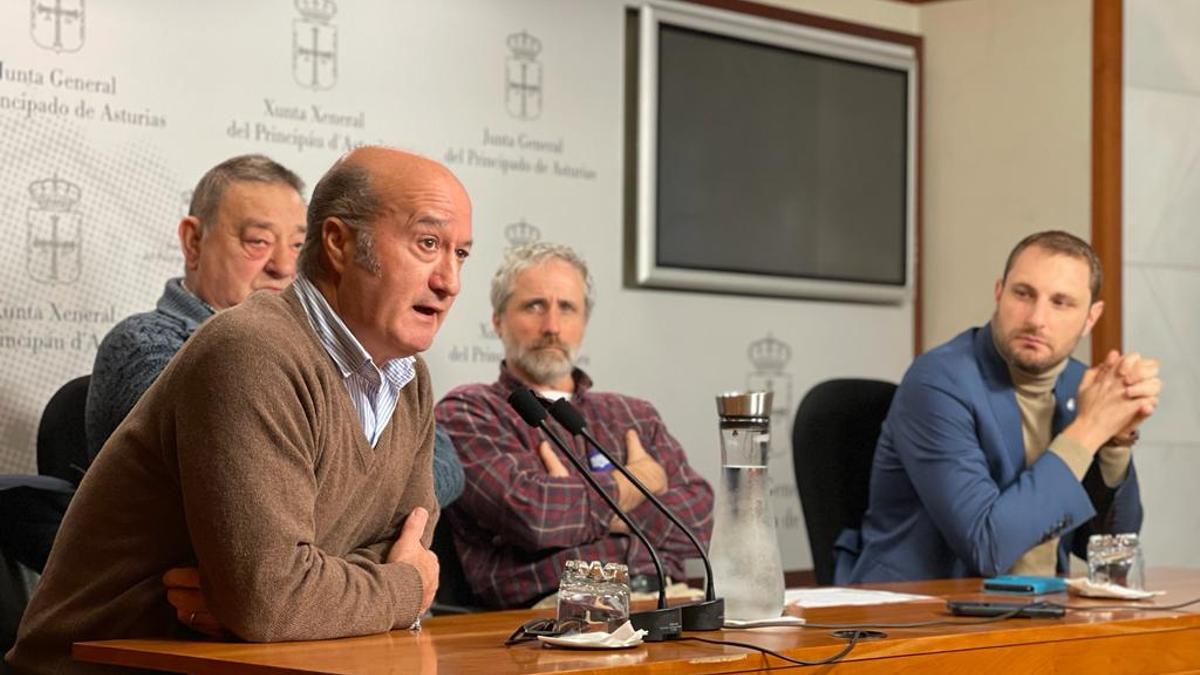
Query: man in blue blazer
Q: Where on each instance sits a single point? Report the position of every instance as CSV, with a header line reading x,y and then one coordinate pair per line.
x,y
1001,454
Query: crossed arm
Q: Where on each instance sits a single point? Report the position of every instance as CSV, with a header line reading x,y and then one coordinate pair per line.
x,y
249,484
524,491
509,491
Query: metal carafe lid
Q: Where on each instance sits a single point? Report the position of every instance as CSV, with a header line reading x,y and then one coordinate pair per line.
x,y
744,405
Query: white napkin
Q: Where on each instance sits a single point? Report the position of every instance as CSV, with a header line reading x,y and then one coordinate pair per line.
x,y
785,620
836,596
625,636
1087,588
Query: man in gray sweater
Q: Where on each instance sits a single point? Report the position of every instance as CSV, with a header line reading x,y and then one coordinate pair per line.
x,y
242,234
286,451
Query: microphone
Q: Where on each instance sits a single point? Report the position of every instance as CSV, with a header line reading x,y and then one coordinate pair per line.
x,y
706,615
663,623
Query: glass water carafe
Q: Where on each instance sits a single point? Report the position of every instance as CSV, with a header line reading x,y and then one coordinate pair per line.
x,y
747,568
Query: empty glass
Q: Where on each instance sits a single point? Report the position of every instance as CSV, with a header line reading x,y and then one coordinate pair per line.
x,y
1116,559
595,595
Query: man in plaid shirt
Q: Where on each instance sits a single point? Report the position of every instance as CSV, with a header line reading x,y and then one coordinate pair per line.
x,y
523,513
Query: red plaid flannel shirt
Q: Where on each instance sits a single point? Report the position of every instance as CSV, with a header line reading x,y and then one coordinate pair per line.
x,y
515,525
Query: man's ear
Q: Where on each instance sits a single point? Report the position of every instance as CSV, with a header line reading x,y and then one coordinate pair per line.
x,y
190,239
337,243
496,323
999,289
1094,313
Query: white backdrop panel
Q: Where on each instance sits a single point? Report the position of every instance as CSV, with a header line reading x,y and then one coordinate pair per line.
x,y
103,137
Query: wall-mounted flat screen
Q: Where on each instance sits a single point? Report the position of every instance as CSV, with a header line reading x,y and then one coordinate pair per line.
x,y
772,158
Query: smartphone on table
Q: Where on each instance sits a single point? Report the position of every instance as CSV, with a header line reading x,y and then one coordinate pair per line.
x,y
1026,610
1024,585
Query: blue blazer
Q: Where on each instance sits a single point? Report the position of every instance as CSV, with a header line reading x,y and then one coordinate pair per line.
x,y
950,494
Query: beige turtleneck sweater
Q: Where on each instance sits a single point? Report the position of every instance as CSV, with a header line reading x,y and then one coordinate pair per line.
x,y
1035,400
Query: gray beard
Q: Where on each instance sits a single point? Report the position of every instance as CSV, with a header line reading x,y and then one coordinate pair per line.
x,y
544,367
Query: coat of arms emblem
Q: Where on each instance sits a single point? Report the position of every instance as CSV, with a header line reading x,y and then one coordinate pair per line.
x,y
57,24
54,243
521,233
770,356
523,73
314,44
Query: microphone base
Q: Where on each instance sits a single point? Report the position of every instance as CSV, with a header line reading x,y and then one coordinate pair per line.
x,y
705,615
659,624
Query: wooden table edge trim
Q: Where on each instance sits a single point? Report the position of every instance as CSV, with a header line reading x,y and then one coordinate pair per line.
x,y
932,644
102,653
110,653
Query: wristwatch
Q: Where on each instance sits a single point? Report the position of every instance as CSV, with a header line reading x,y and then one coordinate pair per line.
x,y
1125,440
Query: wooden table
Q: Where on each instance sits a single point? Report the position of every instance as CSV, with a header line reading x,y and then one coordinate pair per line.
x,y
1125,640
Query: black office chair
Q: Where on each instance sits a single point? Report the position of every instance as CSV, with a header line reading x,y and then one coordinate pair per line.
x,y
32,507
454,594
61,439
833,445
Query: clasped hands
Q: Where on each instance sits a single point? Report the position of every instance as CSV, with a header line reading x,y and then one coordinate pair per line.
x,y
639,462
1114,398
191,609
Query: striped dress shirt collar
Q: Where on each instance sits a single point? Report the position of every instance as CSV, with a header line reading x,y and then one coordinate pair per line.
x,y
373,390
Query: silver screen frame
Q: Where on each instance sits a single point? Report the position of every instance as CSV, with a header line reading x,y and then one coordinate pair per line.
x,y
648,273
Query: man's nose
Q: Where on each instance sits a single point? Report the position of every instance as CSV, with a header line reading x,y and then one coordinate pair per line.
x,y
1038,313
551,320
445,279
282,263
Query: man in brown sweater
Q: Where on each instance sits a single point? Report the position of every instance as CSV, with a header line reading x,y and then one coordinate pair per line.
x,y
286,451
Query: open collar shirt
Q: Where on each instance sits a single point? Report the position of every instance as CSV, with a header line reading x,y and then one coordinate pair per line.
x,y
373,390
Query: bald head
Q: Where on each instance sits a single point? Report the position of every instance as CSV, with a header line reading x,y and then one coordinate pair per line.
x,y
388,235
371,183
395,165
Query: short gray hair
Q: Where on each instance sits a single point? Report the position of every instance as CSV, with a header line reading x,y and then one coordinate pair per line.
x,y
521,258
206,198
344,193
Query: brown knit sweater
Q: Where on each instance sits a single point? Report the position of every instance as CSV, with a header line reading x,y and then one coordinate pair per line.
x,y
245,457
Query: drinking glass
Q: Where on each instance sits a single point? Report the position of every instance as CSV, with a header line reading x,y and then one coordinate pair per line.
x,y
595,595
1116,559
